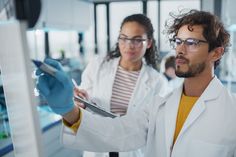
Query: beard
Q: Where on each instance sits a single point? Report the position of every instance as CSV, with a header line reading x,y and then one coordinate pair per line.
x,y
193,69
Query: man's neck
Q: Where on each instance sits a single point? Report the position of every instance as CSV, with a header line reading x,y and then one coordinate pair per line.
x,y
195,86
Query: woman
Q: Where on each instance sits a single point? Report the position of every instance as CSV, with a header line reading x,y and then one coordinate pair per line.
x,y
127,77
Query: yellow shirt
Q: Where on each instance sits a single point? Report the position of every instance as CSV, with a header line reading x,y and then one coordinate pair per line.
x,y
185,106
74,127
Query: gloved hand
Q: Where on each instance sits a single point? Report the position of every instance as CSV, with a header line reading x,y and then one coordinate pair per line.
x,y
58,90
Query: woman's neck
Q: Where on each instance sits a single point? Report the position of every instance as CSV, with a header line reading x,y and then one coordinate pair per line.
x,y
131,66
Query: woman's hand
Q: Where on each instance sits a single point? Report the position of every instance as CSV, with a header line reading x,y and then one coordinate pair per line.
x,y
82,93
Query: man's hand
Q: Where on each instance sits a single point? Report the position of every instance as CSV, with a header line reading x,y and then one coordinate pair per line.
x,y
57,90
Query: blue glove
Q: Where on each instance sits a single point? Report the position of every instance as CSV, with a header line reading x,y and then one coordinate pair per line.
x,y
58,90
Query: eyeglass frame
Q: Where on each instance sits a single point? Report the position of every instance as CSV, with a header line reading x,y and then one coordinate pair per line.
x,y
132,40
185,42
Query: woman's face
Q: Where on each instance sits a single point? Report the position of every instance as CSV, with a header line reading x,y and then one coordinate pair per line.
x,y
133,42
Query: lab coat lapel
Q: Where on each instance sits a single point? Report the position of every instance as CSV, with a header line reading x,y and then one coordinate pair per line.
x,y
199,108
194,114
108,81
142,87
171,110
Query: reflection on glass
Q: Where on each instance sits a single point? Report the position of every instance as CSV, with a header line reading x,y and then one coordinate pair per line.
x,y
4,125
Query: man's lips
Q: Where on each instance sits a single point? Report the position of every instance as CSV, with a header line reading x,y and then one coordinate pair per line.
x,y
180,60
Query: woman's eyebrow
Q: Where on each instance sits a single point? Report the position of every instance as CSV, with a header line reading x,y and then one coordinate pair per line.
x,y
137,36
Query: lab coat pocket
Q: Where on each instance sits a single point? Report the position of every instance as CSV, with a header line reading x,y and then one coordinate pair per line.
x,y
203,149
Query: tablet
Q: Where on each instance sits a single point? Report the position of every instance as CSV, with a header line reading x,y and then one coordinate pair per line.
x,y
95,108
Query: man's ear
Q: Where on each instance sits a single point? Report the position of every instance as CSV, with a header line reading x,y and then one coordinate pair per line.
x,y
217,53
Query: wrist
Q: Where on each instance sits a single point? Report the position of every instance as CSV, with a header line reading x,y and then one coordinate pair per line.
x,y
72,116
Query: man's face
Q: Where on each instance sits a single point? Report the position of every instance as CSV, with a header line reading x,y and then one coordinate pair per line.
x,y
191,52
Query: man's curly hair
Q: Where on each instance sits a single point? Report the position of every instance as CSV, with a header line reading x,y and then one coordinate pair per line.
x,y
213,29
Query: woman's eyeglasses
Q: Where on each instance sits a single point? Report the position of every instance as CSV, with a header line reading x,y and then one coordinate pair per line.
x,y
136,42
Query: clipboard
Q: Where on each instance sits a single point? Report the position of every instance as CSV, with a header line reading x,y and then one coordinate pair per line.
x,y
95,108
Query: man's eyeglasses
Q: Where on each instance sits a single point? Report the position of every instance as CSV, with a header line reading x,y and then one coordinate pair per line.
x,y
191,44
136,42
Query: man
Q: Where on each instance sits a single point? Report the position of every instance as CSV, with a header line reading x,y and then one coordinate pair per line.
x,y
169,73
195,120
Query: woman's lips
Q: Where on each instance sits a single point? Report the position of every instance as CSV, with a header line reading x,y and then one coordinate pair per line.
x,y
131,53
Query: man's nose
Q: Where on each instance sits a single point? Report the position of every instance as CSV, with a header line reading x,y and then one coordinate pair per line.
x,y
182,45
181,48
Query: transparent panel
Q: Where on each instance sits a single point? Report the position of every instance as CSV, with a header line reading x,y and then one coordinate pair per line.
x,y
152,13
36,44
102,29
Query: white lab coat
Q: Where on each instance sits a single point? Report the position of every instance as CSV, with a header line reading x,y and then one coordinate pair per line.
x,y
175,83
209,130
98,79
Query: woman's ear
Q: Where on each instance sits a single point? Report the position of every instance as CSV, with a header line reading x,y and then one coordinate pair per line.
x,y
217,53
149,44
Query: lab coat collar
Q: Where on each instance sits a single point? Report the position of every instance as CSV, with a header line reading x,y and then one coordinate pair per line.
x,y
213,90
108,80
115,64
172,105
142,87
143,84
171,110
143,71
